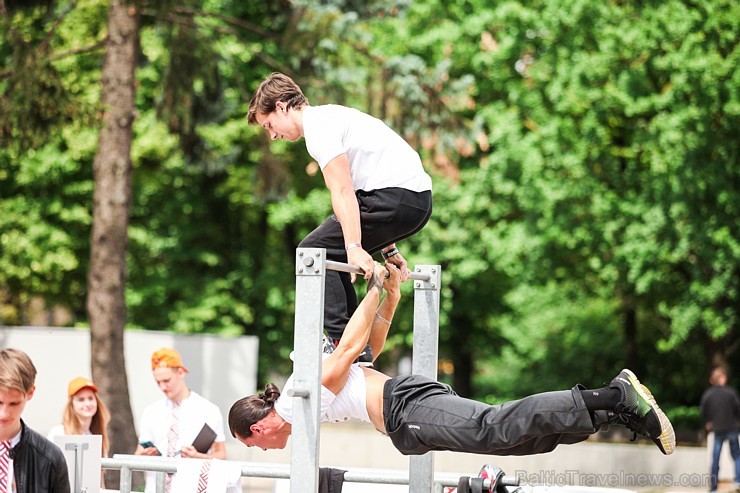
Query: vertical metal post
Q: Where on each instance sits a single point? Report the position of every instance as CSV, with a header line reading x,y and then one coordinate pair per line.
x,y
309,325
424,361
159,481
124,484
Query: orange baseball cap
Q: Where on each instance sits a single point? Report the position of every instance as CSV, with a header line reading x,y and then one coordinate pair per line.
x,y
80,383
167,358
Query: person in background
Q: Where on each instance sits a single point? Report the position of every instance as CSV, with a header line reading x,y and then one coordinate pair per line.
x,y
380,192
169,426
29,463
720,411
84,414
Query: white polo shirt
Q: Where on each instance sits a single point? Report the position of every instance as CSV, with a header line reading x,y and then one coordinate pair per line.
x,y
195,411
378,156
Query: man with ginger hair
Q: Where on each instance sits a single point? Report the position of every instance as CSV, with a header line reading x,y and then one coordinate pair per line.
x,y
169,426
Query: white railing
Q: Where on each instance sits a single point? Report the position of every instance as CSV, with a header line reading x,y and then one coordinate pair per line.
x,y
129,463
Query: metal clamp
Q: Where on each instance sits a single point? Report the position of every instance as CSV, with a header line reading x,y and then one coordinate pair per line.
x,y
427,277
308,262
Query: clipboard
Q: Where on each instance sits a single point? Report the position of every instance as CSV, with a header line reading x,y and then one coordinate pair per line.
x,y
205,439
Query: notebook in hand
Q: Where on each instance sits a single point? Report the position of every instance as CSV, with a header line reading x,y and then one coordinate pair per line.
x,y
205,439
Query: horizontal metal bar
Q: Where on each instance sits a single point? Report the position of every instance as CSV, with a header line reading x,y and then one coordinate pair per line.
x,y
353,269
282,471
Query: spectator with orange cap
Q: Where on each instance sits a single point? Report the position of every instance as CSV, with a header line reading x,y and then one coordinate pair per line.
x,y
170,426
84,414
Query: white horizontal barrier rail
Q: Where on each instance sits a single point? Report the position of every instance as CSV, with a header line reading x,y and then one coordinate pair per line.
x,y
129,463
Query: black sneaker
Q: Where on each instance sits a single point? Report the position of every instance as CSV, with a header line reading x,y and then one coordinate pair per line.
x,y
639,412
364,359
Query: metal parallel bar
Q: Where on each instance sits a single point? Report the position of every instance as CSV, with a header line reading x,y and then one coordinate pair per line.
x,y
353,269
424,360
309,327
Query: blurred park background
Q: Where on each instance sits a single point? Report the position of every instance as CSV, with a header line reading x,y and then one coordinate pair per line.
x,y
584,156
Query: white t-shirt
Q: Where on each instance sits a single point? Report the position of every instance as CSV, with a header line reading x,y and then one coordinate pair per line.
x,y
56,431
195,411
378,156
351,402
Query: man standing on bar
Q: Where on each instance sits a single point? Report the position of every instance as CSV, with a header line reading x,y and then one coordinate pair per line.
x,y
380,192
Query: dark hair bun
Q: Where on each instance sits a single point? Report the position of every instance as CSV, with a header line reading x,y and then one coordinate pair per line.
x,y
271,393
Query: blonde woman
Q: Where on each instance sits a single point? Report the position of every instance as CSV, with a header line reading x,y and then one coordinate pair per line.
x,y
84,414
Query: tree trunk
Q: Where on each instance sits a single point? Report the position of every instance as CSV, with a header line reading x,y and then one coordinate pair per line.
x,y
631,347
109,238
459,346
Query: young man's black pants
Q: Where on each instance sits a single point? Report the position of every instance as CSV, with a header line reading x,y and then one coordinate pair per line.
x,y
387,215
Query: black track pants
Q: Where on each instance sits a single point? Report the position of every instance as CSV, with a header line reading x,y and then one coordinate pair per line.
x,y
422,415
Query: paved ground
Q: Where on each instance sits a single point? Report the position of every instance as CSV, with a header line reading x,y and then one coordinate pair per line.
x,y
724,487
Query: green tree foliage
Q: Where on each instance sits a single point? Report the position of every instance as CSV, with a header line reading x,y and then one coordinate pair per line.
x,y
619,151
48,95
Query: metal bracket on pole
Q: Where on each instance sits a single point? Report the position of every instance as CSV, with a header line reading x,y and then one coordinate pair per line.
x,y
424,360
427,277
309,324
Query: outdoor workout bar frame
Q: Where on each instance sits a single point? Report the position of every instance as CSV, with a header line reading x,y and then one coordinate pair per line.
x,y
311,266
